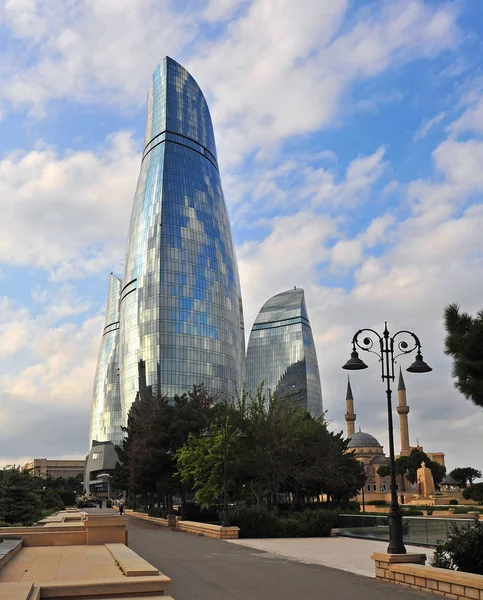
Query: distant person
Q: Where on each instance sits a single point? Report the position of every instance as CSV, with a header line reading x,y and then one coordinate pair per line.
x,y
121,509
100,503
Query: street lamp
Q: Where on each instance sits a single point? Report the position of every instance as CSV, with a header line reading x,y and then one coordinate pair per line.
x,y
387,360
240,434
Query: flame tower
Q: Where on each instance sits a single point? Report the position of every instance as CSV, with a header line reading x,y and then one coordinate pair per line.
x,y
180,305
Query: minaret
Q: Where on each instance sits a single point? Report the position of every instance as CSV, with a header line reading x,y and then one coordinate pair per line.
x,y
350,415
402,411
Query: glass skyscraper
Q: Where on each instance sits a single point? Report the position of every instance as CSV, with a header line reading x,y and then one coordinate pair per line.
x,y
106,415
180,303
281,352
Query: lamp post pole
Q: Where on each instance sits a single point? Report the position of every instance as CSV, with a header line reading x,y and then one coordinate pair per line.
x,y
364,479
387,360
226,511
224,433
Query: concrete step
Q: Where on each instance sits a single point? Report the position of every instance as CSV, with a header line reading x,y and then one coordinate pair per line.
x,y
34,593
16,591
106,588
130,563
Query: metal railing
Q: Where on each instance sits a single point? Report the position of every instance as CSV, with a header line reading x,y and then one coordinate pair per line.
x,y
419,531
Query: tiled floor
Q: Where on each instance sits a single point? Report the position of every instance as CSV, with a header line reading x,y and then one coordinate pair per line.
x,y
60,563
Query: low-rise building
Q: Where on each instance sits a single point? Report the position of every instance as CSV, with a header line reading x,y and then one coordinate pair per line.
x,y
43,467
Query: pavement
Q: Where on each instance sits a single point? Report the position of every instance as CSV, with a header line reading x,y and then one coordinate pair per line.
x,y
347,554
205,569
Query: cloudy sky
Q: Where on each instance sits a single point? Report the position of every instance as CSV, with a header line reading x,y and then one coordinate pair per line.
x,y
350,138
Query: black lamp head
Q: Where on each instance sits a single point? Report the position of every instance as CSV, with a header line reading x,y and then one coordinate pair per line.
x,y
206,433
354,363
241,434
419,366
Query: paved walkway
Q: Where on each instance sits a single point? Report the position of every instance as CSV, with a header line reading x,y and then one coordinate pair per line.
x,y
347,554
206,569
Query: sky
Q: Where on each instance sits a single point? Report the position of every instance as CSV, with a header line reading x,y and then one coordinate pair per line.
x,y
350,142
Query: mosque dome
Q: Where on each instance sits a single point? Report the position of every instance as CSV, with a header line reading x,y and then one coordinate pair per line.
x,y
360,439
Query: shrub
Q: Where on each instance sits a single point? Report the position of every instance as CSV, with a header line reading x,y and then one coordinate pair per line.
x,y
158,512
108,503
194,512
376,503
462,550
68,497
261,522
352,506
411,511
453,502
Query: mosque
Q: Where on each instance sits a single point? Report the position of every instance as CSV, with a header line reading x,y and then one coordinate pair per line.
x,y
370,452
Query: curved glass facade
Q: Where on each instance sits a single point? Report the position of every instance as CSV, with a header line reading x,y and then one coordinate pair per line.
x,y
180,305
106,415
281,352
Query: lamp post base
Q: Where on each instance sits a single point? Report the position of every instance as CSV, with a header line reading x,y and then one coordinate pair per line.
x,y
396,544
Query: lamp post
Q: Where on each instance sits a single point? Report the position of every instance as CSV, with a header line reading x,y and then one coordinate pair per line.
x,y
171,452
364,479
224,432
387,359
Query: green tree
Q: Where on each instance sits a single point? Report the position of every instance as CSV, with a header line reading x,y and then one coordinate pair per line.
x,y
19,504
156,428
464,343
474,492
408,466
286,451
465,475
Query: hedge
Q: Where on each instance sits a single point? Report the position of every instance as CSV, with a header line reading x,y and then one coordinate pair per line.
x,y
260,522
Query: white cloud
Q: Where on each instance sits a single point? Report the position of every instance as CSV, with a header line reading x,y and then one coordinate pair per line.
x,y
67,213
471,121
275,70
426,126
98,49
404,272
281,70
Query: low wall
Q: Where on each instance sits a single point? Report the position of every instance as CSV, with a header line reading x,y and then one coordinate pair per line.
x,y
94,530
213,531
145,517
452,584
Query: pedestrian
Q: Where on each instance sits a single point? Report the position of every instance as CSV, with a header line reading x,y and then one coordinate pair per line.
x,y
121,508
100,503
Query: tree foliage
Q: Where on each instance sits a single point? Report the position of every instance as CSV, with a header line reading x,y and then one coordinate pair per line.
x,y
464,343
462,550
465,475
19,504
408,466
155,430
286,451
474,492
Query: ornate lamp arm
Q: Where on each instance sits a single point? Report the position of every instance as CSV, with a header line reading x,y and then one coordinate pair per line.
x,y
367,342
